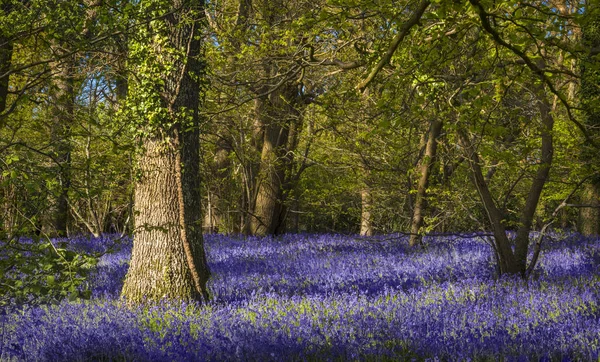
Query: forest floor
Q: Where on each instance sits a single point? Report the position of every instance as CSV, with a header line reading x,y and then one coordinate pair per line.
x,y
330,297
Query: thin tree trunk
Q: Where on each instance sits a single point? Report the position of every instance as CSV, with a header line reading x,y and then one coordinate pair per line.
x,y
6,50
515,263
537,186
589,217
502,243
427,163
218,193
366,221
168,257
62,96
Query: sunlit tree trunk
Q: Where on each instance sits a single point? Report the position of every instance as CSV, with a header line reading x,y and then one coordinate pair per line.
x,y
168,258
268,208
366,221
589,213
215,218
425,168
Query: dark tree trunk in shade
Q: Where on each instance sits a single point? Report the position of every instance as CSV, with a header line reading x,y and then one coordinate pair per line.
x,y
62,98
425,169
168,258
5,61
515,262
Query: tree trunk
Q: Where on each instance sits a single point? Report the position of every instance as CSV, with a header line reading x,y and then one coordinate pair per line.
x,y
427,163
589,217
515,262
216,220
62,96
6,48
366,222
269,204
268,215
168,258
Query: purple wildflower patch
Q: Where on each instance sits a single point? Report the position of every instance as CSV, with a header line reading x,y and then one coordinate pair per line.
x,y
330,297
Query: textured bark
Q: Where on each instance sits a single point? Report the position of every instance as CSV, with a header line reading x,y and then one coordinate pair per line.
x,y
268,205
279,114
168,258
589,217
426,166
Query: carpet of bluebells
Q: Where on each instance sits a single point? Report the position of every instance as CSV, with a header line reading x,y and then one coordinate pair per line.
x,y
330,297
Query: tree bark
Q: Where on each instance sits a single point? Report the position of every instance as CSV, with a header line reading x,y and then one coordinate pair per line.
x,y
279,115
168,258
366,222
515,262
589,217
6,48
427,163
62,96
214,220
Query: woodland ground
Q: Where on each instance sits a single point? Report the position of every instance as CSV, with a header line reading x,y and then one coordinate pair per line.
x,y
330,297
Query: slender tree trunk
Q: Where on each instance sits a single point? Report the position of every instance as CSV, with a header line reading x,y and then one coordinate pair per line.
x,y
62,96
252,166
426,166
366,221
168,258
515,262
589,217
220,189
6,49
537,185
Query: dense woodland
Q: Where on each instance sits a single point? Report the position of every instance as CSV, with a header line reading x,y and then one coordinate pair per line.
x,y
170,119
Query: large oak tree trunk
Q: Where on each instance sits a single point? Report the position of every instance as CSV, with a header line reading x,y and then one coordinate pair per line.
x,y
168,258
426,166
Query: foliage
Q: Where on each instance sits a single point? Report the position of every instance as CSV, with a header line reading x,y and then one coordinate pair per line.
x,y
37,271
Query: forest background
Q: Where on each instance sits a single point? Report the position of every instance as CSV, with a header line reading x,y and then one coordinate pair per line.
x,y
273,116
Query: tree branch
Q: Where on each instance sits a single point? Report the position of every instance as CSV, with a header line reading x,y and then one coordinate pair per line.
x,y
404,30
